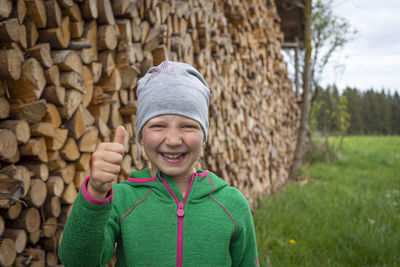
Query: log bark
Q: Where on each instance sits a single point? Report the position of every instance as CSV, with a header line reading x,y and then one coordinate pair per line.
x,y
106,15
18,236
77,28
96,69
7,252
67,173
11,213
12,190
53,75
35,147
54,14
52,116
88,118
65,4
18,10
88,55
1,226
49,227
106,59
57,37
112,83
70,151
52,207
52,259
106,38
37,193
55,186
31,112
9,31
45,129
54,94
29,87
69,195
32,33
76,125
88,141
37,169
36,10
19,173
5,8
89,9
73,99
72,79
34,237
56,161
120,7
4,108
83,164
35,254
8,144
10,65
58,140
42,53
28,220
73,12
67,60
88,79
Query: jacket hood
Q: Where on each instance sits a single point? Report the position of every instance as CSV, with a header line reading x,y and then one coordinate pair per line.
x,y
202,184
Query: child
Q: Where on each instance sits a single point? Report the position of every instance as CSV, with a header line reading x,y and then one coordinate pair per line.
x,y
171,214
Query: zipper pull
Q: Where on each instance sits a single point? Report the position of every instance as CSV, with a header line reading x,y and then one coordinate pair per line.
x,y
180,212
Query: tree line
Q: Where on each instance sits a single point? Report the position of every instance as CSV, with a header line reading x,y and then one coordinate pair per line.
x,y
355,112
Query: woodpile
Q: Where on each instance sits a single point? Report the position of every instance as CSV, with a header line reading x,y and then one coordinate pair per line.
x,y
69,70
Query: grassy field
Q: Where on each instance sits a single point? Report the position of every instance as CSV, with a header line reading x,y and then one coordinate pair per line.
x,y
346,213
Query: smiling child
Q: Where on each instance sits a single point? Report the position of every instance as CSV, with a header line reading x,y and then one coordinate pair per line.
x,y
171,214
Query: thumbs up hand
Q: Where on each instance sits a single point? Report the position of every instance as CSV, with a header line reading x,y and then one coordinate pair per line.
x,y
106,161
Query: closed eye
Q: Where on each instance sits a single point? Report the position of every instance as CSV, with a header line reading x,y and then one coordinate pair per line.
x,y
157,126
190,126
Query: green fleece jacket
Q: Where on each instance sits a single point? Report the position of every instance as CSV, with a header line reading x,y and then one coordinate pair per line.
x,y
148,223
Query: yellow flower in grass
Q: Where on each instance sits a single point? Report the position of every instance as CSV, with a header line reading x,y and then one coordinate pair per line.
x,y
292,241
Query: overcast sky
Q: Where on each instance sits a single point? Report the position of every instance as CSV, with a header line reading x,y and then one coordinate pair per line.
x,y
372,60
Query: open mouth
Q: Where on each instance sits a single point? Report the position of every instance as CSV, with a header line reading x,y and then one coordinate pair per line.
x,y
173,155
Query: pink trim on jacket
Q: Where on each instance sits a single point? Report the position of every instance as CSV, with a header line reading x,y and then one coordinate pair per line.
x,y
93,200
180,213
142,180
203,174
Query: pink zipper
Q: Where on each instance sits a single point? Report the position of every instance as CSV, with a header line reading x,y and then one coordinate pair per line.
x,y
180,213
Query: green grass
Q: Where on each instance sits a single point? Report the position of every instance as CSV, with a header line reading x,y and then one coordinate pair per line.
x,y
346,213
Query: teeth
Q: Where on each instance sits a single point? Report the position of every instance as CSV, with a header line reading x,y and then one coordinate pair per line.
x,y
170,156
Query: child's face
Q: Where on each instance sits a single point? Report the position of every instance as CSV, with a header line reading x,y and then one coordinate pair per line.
x,y
173,144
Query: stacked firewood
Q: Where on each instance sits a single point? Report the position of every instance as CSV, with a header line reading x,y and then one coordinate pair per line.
x,y
69,71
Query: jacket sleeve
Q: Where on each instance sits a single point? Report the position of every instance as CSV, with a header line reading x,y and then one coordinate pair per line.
x,y
243,246
89,235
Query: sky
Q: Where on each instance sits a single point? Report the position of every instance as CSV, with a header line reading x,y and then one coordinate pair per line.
x,y
372,59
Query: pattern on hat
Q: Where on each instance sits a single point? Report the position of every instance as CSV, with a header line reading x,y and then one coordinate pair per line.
x,y
174,88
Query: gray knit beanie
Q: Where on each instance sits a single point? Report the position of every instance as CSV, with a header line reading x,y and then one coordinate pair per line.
x,y
172,88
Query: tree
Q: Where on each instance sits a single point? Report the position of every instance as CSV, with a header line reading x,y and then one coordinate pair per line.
x,y
354,109
305,110
395,110
330,33
325,33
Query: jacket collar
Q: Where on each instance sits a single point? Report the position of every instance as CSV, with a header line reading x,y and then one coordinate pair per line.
x,y
205,183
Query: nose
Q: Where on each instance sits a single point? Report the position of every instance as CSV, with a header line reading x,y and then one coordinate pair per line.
x,y
173,138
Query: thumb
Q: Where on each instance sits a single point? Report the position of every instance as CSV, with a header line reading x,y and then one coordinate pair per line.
x,y
119,135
